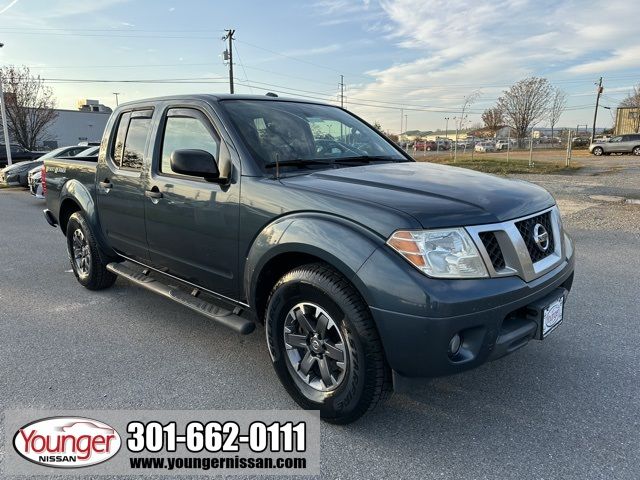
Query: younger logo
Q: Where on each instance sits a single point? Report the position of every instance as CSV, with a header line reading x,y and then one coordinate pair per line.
x,y
67,442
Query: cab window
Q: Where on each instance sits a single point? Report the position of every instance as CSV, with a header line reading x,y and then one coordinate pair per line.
x,y
135,142
186,130
127,151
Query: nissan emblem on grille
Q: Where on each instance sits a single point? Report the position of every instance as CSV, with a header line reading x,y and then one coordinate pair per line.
x,y
541,237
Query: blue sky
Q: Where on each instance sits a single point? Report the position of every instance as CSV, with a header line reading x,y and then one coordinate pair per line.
x,y
423,55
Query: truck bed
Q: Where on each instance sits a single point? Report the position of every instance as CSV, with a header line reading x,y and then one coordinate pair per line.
x,y
60,170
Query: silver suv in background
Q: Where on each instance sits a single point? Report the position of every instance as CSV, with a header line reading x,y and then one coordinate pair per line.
x,y
620,144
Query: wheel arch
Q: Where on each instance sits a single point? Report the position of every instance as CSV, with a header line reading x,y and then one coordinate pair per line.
x,y
289,243
76,197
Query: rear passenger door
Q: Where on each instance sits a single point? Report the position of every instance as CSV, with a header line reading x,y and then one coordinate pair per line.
x,y
119,188
192,224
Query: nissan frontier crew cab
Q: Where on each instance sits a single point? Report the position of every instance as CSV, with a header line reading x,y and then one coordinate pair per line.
x,y
363,265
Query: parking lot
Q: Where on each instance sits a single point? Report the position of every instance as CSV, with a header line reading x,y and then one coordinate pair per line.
x,y
563,408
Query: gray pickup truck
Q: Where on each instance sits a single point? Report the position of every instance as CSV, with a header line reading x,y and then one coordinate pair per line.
x,y
363,266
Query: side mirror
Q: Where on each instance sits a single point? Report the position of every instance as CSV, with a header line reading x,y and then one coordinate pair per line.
x,y
195,163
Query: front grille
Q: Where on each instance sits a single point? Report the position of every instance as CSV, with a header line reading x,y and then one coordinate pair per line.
x,y
493,249
526,229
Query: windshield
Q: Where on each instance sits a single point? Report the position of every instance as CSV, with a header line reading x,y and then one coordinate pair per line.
x,y
53,153
305,134
89,152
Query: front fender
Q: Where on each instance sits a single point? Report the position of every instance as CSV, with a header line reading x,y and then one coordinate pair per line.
x,y
341,243
78,193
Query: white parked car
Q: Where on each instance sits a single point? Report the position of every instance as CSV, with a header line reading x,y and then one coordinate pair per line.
x,y
503,144
35,182
485,147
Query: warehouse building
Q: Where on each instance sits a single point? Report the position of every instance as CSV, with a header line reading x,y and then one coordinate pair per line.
x,y
71,127
627,120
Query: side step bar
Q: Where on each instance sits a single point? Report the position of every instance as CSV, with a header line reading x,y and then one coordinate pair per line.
x,y
209,310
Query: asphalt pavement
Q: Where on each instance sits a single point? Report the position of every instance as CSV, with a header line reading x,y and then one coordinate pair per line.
x,y
565,408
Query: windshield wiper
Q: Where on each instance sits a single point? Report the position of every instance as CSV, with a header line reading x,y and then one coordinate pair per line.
x,y
298,162
367,159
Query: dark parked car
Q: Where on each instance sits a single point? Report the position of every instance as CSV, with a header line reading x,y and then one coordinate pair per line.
x,y
18,154
360,262
18,173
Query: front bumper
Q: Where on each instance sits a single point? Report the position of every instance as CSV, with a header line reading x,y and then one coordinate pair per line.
x,y
491,316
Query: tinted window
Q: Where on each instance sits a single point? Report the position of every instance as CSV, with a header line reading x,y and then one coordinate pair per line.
x,y
118,144
186,133
135,143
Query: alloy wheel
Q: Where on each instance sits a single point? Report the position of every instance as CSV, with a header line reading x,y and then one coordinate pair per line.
x,y
315,347
81,252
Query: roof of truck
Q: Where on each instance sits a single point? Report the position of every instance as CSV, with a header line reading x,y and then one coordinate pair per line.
x,y
215,97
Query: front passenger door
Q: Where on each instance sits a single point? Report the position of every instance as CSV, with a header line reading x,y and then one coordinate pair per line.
x,y
192,223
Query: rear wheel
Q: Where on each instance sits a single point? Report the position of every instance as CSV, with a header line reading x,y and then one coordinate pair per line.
x,y
598,151
88,262
636,150
324,344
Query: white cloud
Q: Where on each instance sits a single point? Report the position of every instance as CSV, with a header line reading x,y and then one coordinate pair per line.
x,y
460,45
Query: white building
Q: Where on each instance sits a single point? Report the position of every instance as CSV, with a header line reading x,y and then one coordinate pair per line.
x,y
74,126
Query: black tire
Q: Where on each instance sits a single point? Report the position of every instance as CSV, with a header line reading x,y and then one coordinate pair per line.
x,y
597,151
365,379
636,150
90,269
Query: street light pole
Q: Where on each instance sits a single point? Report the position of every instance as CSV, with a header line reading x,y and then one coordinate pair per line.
x,y
5,128
116,94
446,129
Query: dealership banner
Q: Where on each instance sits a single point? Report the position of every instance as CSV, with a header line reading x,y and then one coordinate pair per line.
x,y
156,442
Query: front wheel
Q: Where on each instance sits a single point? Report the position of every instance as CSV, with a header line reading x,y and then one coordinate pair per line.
x,y
324,345
636,150
88,262
598,151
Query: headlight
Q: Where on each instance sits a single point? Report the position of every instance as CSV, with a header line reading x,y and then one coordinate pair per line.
x,y
447,253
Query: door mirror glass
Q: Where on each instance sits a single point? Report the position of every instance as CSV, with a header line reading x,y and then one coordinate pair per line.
x,y
195,163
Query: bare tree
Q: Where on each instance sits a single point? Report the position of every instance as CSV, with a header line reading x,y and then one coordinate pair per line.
x,y
493,119
525,104
633,101
556,108
29,104
468,101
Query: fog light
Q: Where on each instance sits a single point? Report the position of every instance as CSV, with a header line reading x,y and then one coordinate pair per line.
x,y
454,345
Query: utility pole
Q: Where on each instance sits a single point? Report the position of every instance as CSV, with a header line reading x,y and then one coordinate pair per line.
x,y
595,112
5,128
228,55
341,91
116,94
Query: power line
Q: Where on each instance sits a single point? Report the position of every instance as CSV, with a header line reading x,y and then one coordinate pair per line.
x,y
243,70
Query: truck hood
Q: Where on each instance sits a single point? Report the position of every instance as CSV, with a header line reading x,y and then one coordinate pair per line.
x,y
435,195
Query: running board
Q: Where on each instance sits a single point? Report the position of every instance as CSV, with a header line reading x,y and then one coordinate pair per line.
x,y
209,310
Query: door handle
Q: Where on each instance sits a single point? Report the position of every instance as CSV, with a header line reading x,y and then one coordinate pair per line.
x,y
106,184
153,194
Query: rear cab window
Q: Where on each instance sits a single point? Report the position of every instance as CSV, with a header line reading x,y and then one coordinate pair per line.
x,y
128,148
